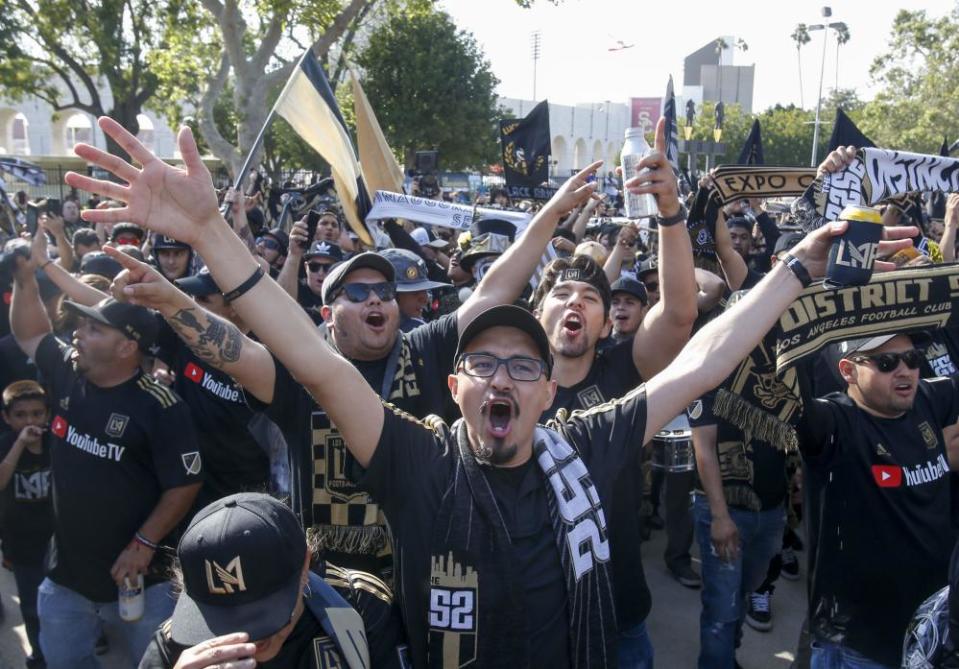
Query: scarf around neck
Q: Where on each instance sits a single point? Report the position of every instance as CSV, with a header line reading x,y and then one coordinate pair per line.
x,y
477,607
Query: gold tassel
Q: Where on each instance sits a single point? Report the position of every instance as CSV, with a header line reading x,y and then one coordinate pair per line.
x,y
754,421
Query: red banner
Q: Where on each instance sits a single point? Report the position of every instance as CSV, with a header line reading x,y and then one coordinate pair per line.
x,y
645,113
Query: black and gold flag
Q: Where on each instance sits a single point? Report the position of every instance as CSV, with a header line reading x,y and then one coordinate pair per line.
x,y
845,133
752,153
526,153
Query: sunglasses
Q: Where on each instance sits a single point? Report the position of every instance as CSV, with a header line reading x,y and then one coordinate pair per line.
x,y
652,286
360,292
134,241
315,267
887,362
484,365
268,242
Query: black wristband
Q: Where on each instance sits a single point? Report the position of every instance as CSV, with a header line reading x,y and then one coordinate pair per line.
x,y
244,287
678,217
798,269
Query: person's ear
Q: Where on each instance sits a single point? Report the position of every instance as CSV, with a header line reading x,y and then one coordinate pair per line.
x,y
607,328
847,370
326,312
452,381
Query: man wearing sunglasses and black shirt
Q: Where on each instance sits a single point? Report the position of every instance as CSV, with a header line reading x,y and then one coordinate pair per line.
x,y
878,466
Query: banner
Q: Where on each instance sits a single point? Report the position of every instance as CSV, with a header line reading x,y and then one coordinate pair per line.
x,y
644,113
437,212
526,153
735,182
762,396
380,168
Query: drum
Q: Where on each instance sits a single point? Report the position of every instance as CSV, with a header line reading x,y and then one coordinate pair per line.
x,y
673,447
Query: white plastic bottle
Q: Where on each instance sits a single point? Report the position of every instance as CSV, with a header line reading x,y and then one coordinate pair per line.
x,y
634,150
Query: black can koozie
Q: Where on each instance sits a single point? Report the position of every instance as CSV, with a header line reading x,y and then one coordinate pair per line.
x,y
853,253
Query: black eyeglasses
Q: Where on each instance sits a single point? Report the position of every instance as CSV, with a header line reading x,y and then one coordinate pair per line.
x,y
268,242
315,267
360,292
519,368
887,362
652,286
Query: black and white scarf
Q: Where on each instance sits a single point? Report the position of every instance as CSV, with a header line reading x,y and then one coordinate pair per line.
x,y
477,608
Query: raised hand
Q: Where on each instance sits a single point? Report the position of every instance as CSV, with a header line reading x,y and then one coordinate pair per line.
x,y
813,250
140,283
837,160
575,191
178,202
656,176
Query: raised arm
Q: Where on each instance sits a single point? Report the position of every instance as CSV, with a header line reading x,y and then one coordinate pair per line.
x,y
713,353
625,244
57,228
28,317
951,223
506,278
665,329
181,203
290,272
212,338
71,286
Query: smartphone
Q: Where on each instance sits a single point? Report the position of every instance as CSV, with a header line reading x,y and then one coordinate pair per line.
x,y
53,206
33,218
311,220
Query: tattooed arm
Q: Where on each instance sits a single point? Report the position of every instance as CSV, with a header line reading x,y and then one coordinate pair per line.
x,y
212,338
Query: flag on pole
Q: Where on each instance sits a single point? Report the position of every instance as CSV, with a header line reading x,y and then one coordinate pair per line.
x,y
21,170
309,106
672,132
380,168
752,153
845,133
526,151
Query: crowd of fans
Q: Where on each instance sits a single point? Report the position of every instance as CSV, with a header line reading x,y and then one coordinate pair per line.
x,y
169,374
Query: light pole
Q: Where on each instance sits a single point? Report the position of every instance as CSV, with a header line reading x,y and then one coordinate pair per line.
x,y
536,45
826,13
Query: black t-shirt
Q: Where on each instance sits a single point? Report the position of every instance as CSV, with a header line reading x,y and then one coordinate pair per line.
x,y
410,472
522,499
612,375
885,528
753,471
27,507
232,459
113,452
310,301
752,278
317,452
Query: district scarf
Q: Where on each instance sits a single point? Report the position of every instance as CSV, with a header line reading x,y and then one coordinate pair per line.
x,y
762,396
472,565
345,519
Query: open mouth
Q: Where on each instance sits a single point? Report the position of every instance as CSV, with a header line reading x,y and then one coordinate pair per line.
x,y
376,319
499,412
903,388
572,325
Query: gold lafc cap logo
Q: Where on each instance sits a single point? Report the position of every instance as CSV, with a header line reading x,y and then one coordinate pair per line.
x,y
225,580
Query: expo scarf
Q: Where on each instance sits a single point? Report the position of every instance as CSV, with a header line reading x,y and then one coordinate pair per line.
x,y
762,396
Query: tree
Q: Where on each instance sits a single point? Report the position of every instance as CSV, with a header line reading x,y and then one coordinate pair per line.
x,y
63,51
801,37
432,88
919,75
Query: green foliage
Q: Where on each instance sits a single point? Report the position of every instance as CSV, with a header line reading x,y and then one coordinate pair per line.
x,y
919,74
58,49
431,87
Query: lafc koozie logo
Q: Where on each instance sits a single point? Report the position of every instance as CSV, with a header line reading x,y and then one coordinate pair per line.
x,y
855,256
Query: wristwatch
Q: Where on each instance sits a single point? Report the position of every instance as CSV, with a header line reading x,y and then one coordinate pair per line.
x,y
678,217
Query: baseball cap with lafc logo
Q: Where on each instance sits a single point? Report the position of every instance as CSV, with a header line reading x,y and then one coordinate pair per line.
x,y
242,558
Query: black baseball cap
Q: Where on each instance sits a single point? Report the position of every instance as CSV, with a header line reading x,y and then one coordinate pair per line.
x,y
200,284
786,241
651,264
135,322
411,274
98,262
164,242
627,284
242,557
508,315
323,249
739,222
368,260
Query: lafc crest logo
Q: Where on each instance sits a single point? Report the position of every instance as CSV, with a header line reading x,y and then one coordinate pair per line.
x,y
116,425
928,435
225,580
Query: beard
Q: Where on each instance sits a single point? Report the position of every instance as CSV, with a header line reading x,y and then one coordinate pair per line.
x,y
496,453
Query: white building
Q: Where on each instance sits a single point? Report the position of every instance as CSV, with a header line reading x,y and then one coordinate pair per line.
x,y
581,134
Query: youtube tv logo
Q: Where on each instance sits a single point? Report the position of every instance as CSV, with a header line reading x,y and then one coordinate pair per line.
x,y
887,476
193,373
59,427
